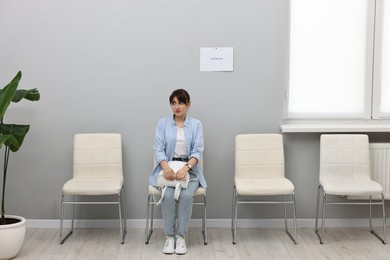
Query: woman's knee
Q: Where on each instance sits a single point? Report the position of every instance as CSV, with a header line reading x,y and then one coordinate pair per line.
x,y
186,196
168,195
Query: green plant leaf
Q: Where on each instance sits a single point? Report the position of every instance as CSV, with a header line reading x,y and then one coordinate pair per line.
x,y
9,140
8,92
29,94
15,135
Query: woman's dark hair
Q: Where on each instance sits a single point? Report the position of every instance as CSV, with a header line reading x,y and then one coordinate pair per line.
x,y
181,95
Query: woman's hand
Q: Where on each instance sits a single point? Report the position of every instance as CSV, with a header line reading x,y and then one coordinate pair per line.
x,y
168,172
182,173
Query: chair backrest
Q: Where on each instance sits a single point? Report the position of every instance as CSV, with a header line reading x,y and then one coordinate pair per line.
x,y
97,156
259,156
344,157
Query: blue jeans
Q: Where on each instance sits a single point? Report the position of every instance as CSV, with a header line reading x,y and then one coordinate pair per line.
x,y
184,209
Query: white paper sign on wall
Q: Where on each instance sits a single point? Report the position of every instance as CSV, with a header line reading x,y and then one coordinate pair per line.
x,y
216,59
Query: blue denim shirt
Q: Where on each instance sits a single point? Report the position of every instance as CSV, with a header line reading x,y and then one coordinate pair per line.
x,y
165,142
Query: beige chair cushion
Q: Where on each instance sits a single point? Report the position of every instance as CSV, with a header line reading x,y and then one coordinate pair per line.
x,y
351,187
93,186
272,186
154,191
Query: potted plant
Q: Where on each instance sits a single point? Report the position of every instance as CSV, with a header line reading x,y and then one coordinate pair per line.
x,y
12,228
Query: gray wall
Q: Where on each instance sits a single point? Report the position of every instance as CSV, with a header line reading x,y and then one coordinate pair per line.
x,y
109,66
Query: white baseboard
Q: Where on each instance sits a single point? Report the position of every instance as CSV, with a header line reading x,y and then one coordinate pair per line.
x,y
223,223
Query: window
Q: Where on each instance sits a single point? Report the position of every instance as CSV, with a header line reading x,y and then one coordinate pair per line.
x,y
339,50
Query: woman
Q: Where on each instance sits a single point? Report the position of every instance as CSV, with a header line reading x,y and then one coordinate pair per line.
x,y
178,138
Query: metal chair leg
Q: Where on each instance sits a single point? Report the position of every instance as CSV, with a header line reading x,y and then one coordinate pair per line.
x,y
384,239
293,238
62,218
370,216
149,219
234,215
204,221
285,213
317,230
384,220
62,239
124,211
317,209
147,222
323,218
120,220
122,217
295,220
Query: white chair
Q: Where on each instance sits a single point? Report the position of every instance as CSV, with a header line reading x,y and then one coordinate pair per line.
x,y
345,171
97,171
259,172
199,200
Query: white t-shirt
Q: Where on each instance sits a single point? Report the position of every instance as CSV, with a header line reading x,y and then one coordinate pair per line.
x,y
180,148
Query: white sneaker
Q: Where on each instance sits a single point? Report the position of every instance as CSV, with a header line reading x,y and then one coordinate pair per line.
x,y
169,247
181,248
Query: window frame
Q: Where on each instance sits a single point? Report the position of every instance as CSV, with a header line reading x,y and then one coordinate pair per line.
x,y
377,114
373,121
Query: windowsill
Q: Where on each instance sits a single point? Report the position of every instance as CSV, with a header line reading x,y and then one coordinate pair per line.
x,y
316,126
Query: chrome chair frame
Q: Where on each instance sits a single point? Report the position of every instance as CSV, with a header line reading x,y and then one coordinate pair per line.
x,y
121,210
285,202
325,202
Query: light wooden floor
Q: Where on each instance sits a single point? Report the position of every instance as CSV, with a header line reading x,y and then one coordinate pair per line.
x,y
254,243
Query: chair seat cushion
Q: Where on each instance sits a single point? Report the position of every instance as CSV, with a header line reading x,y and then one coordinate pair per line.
x,y
93,186
274,186
153,190
351,187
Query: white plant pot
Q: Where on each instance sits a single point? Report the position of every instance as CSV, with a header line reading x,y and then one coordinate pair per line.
x,y
12,237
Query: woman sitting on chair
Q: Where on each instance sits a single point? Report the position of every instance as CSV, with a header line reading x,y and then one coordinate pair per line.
x,y
178,138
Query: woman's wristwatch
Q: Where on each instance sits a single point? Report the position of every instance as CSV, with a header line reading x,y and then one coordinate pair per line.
x,y
189,166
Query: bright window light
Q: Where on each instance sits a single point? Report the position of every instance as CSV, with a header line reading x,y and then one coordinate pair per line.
x,y
328,59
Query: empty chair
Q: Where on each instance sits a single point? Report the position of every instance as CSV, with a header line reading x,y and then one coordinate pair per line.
x,y
259,172
199,200
345,171
97,171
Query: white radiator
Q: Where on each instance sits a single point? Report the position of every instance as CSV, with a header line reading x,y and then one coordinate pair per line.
x,y
380,165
